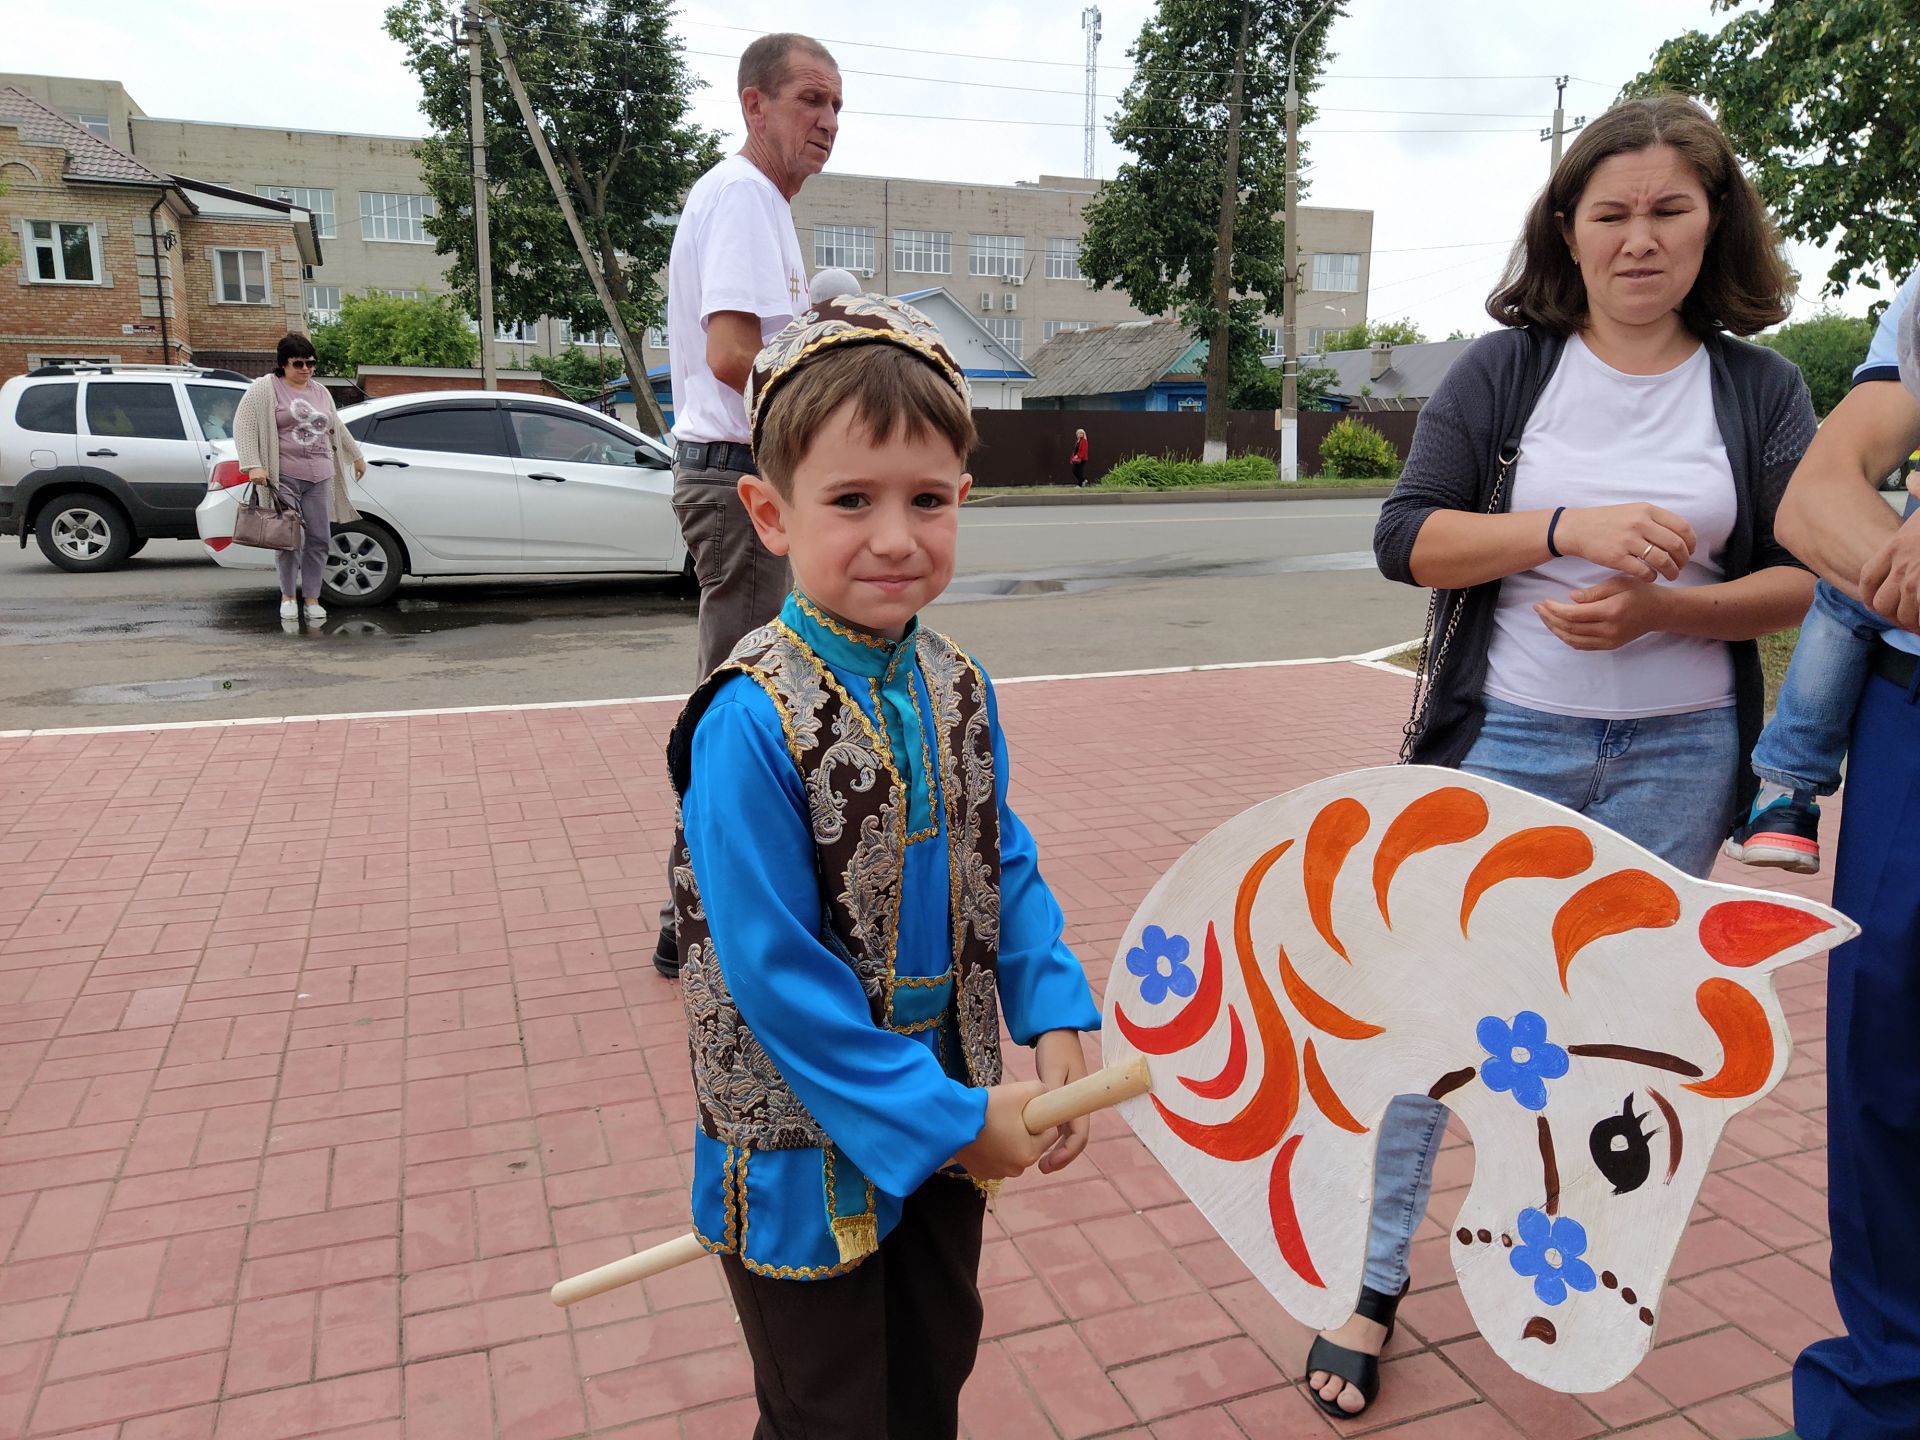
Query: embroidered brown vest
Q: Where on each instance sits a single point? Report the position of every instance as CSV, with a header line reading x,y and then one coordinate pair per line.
x,y
858,804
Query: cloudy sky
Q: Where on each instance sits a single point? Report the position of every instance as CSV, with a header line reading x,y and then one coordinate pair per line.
x,y
1429,114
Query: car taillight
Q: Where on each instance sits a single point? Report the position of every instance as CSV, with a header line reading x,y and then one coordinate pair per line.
x,y
226,475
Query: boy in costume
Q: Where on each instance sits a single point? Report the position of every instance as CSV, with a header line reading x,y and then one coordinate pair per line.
x,y
857,905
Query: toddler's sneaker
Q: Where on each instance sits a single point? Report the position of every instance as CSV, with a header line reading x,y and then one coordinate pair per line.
x,y
1784,834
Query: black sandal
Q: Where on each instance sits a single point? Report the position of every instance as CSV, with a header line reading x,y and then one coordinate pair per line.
x,y
1356,1367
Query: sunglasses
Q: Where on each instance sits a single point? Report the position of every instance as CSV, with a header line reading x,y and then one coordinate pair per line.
x,y
301,364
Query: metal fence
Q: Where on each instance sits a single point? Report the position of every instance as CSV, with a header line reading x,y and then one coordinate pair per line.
x,y
1033,447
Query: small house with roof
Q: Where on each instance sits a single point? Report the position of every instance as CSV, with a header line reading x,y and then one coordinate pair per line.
x,y
1388,377
1156,365
116,262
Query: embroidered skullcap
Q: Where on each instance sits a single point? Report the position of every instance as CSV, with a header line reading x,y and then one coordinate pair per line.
x,y
846,319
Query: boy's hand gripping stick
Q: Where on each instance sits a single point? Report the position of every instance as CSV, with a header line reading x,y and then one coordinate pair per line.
x,y
1098,1091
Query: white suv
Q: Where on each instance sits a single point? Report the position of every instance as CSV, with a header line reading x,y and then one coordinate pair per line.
x,y
476,482
96,460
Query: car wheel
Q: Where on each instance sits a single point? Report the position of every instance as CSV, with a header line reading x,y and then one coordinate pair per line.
x,y
364,565
83,532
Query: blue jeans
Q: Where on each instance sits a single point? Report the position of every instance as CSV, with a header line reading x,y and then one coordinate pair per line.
x,y
1803,745
1665,782
1865,1384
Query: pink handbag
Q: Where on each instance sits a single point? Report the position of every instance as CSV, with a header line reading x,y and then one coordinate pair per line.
x,y
274,525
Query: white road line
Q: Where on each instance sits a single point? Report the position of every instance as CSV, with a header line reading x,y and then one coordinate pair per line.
x,y
1370,659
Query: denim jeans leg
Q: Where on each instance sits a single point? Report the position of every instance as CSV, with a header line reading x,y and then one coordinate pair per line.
x,y
1403,1156
1667,783
1804,743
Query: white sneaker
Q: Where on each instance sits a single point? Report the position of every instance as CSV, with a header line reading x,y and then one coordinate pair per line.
x,y
315,614
289,610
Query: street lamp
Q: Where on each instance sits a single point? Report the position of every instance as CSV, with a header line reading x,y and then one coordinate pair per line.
x,y
1290,281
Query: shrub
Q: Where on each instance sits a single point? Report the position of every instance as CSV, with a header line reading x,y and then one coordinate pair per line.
x,y
1169,472
1353,451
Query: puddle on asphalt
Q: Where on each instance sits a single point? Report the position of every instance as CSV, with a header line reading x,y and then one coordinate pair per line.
x,y
147,692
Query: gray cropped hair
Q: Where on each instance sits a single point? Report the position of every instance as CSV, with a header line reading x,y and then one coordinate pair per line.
x,y
764,63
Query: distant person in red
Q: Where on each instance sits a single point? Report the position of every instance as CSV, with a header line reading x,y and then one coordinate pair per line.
x,y
1080,457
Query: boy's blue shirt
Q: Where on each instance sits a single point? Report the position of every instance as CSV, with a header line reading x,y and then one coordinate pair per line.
x,y
890,1101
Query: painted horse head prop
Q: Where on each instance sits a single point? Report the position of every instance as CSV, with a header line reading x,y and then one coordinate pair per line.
x,y
1593,1015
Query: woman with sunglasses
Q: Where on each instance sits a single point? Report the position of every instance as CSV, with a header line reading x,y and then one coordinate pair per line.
x,y
290,439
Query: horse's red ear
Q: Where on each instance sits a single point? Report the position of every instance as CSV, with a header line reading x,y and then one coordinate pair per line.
x,y
1740,933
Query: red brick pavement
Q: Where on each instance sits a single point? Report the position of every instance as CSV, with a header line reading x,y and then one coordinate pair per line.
x,y
326,1047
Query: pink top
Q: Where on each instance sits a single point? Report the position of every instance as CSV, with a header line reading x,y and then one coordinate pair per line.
x,y
304,418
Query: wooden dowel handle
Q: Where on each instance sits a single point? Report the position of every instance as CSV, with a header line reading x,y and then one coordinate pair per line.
x,y
1098,1091
611,1276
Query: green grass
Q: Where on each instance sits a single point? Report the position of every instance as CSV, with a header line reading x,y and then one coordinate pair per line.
x,y
980,492
1775,652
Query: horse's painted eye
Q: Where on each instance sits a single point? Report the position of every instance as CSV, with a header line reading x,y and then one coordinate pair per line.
x,y
1619,1148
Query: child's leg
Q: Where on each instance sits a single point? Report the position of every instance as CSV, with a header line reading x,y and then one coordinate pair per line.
x,y
819,1350
1803,745
933,1307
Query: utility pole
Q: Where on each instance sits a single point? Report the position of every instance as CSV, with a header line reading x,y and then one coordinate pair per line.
x,y
1090,22
1219,362
643,399
1560,126
477,157
1290,281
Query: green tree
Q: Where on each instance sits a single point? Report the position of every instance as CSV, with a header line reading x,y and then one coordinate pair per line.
x,y
330,347
609,82
1374,332
578,373
1154,230
1826,348
386,330
1823,103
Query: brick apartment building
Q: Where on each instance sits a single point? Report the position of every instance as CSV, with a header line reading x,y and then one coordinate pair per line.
x,y
1009,253
117,261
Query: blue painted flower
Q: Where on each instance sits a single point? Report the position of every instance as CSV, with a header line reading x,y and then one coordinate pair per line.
x,y
1549,1254
1520,1058
1160,960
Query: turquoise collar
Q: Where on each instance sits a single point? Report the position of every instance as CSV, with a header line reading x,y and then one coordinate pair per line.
x,y
843,646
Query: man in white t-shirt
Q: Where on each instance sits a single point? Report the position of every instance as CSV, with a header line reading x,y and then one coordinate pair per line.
x,y
734,280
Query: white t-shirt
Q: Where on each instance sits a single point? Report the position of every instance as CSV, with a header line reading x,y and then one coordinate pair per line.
x,y
1601,437
735,249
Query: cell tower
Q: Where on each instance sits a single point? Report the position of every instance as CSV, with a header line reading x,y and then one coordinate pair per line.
x,y
1090,22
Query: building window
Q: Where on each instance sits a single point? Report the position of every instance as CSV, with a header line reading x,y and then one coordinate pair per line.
x,y
1007,332
64,252
656,337
996,255
1338,273
1054,327
596,339
1317,339
395,217
323,304
100,125
1063,259
319,203
240,277
518,332
850,247
403,294
923,252
1273,340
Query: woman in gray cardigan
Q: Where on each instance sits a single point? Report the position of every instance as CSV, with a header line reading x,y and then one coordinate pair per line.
x,y
1593,489
289,437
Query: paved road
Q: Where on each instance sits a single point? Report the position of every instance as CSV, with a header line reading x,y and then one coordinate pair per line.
x,y
1059,589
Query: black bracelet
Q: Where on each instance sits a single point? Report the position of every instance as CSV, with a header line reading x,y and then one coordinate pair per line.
x,y
1552,525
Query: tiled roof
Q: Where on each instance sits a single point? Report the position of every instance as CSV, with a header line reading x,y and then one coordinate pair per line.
x,y
88,156
1414,371
1108,359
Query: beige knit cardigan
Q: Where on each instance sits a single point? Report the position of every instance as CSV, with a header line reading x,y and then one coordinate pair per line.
x,y
256,436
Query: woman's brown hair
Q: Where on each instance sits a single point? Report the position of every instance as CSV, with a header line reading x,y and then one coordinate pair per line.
x,y
1744,283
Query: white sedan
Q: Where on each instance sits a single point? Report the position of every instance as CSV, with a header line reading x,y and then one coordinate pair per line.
x,y
465,482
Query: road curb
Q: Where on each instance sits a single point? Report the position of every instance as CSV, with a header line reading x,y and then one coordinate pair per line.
x,y
1185,497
